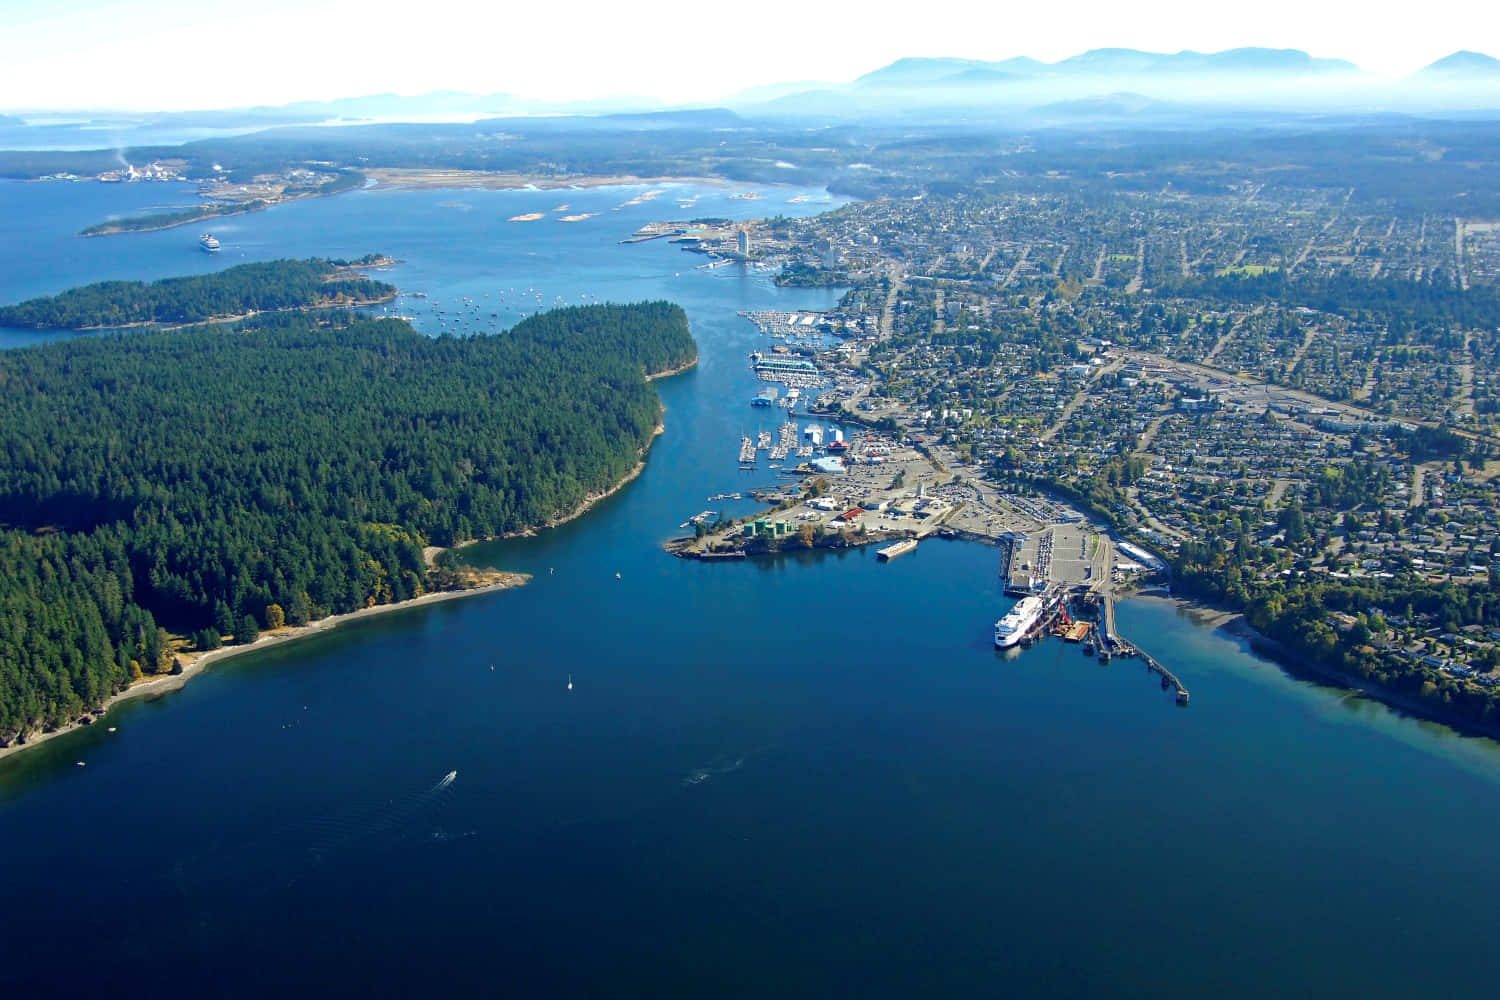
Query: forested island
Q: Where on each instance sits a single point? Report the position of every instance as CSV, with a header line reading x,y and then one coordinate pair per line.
x,y
242,290
216,481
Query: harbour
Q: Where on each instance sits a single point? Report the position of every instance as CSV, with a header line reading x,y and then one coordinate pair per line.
x,y
728,792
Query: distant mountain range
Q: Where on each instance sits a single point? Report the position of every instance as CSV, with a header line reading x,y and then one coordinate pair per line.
x,y
1100,63
1464,64
1134,85
1098,85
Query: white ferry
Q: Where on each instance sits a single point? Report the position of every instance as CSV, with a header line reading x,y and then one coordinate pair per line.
x,y
1017,622
208,243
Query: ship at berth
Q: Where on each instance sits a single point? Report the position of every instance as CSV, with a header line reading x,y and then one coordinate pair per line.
x,y
1017,622
208,243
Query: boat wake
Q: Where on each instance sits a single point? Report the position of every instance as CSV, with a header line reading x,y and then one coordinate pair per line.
x,y
701,774
256,865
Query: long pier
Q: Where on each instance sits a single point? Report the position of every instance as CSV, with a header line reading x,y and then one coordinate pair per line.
x,y
1110,636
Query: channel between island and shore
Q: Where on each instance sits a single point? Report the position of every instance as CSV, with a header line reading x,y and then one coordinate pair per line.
x,y
195,663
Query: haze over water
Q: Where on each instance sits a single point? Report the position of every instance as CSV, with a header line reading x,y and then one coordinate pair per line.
x,y
805,776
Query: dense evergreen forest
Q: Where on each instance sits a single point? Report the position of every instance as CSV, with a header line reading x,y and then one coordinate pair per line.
x,y
247,288
216,481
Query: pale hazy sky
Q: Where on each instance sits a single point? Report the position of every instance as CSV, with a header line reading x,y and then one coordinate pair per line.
x,y
177,54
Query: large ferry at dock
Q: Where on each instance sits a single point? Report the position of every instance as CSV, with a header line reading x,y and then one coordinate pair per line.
x,y
1017,622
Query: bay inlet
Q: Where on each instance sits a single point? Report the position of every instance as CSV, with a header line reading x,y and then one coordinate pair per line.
x,y
804,775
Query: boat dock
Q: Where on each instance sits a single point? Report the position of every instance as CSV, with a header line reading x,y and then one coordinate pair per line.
x,y
1112,639
786,443
895,549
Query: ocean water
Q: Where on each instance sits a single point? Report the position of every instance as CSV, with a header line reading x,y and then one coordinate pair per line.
x,y
806,776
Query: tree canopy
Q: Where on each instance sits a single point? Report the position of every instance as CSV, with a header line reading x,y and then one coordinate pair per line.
x,y
293,466
246,288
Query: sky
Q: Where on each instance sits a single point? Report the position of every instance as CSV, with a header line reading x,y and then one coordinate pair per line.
x,y
193,54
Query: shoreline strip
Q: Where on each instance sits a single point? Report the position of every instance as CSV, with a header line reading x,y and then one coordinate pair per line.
x,y
157,686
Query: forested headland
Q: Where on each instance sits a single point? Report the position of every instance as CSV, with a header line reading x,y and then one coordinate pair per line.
x,y
215,481
264,286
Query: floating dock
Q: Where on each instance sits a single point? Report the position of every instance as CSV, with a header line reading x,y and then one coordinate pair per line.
x,y
895,549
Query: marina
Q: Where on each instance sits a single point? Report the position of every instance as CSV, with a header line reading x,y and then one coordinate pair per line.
x,y
703,517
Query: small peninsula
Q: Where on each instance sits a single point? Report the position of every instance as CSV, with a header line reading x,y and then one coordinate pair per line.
x,y
231,199
174,490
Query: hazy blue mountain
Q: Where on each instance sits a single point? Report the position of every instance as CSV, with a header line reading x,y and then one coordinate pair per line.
x,y
1463,64
1231,61
919,71
391,106
774,91
950,90
929,72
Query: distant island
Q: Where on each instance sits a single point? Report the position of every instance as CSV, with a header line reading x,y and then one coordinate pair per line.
x,y
243,290
170,491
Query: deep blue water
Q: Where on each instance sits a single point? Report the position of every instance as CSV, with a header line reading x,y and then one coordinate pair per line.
x,y
806,776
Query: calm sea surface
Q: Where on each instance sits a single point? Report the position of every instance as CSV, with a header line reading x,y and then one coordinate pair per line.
x,y
808,776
